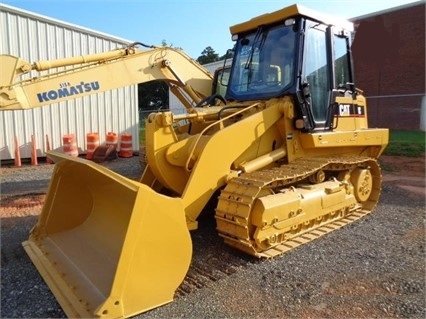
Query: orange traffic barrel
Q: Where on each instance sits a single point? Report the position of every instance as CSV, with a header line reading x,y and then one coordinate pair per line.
x,y
126,149
48,159
17,153
111,139
34,160
69,145
92,141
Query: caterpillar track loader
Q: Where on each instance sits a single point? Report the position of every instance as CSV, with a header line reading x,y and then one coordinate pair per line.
x,y
288,148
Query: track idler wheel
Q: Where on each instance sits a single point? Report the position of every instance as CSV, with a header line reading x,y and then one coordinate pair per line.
x,y
362,180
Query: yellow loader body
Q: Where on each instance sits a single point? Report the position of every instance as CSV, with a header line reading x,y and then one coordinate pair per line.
x,y
288,147
102,243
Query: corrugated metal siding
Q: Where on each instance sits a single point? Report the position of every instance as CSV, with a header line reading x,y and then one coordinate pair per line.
x,y
33,37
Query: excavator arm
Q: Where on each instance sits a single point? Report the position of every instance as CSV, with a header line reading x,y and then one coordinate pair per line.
x,y
80,76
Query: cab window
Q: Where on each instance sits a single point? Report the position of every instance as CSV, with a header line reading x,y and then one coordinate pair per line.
x,y
316,69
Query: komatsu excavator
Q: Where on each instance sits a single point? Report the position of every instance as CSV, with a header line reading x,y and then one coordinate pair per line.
x,y
288,148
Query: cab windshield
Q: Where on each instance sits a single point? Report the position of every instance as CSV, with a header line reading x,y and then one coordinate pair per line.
x,y
264,63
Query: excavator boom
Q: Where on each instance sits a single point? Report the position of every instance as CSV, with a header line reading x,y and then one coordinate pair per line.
x,y
84,75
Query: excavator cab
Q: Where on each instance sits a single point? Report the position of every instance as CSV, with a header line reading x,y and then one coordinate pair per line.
x,y
220,80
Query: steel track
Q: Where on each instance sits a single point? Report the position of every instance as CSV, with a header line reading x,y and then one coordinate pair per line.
x,y
233,213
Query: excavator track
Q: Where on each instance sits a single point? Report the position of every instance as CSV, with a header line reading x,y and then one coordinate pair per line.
x,y
346,189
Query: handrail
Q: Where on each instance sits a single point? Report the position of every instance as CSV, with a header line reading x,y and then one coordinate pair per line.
x,y
220,121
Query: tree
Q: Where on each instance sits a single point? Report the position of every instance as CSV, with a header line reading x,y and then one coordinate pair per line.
x,y
208,56
228,55
165,44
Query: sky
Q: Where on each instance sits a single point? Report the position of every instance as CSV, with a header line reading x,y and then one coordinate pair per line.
x,y
191,25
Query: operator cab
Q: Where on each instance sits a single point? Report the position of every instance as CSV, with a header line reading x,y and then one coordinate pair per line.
x,y
293,52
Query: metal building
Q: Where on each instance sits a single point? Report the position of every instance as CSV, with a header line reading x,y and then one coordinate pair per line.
x,y
34,37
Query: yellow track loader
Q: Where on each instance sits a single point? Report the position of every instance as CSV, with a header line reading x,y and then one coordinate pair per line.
x,y
288,147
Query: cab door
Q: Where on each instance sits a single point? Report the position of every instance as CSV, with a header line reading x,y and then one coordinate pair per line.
x,y
326,72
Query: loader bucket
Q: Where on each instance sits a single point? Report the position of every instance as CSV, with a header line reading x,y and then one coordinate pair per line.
x,y
108,246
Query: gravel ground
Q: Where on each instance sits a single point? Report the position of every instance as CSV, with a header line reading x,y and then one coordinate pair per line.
x,y
373,268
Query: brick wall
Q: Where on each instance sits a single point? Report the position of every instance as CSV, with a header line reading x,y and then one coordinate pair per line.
x,y
389,57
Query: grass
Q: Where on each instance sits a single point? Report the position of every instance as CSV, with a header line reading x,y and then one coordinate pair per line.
x,y
142,136
406,143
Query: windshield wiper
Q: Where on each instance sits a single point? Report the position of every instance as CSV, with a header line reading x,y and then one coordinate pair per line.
x,y
260,33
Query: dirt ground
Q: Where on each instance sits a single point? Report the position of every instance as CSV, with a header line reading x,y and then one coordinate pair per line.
x,y
401,165
375,271
404,172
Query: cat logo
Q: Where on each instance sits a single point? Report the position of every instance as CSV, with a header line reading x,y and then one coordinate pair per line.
x,y
344,109
352,110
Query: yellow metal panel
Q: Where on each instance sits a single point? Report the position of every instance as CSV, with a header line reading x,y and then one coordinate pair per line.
x,y
367,137
288,12
98,76
106,245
